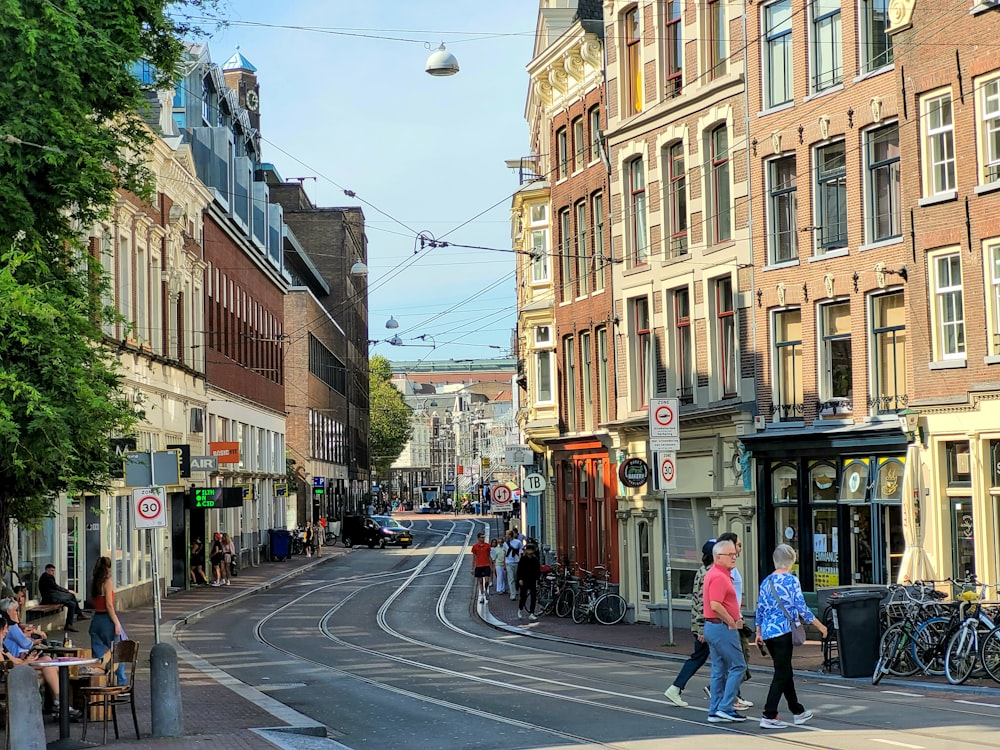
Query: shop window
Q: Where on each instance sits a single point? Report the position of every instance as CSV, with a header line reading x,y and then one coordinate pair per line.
x,y
888,487
643,551
963,533
822,482
784,484
854,481
995,467
825,531
569,512
958,461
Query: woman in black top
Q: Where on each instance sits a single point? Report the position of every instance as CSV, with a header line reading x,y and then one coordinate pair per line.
x,y
216,557
198,577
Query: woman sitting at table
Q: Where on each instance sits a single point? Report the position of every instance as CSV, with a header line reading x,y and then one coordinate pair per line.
x,y
14,651
21,596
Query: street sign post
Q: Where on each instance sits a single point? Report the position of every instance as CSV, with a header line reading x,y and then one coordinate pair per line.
x,y
501,499
666,470
664,424
519,455
150,506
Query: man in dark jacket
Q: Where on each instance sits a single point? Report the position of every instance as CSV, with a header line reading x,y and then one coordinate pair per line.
x,y
529,570
52,593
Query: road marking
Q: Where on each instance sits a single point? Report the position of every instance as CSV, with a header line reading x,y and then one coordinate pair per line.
x,y
835,685
898,744
900,692
977,703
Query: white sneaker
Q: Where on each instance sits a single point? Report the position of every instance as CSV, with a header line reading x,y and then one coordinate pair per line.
x,y
482,600
532,616
803,717
520,614
742,704
775,723
673,694
215,583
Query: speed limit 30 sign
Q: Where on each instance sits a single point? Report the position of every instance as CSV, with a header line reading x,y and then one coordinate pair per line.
x,y
149,505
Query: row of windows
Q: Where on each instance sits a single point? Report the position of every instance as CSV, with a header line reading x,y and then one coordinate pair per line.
x,y
242,329
581,248
572,157
947,284
719,223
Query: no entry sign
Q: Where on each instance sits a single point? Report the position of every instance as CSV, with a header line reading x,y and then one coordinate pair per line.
x,y
501,498
149,505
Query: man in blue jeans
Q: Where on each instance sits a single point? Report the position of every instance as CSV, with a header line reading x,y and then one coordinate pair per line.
x,y
722,631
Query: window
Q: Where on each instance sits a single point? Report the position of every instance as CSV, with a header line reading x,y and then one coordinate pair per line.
x,y
882,163
991,131
595,133
837,375
716,36
672,12
720,184
587,380
637,213
938,146
579,145
831,197
725,313
888,353
582,254
602,374
633,66
538,224
788,364
597,216
783,226
684,346
562,154
992,256
676,200
565,245
569,367
642,353
828,67
876,45
950,329
543,372
778,53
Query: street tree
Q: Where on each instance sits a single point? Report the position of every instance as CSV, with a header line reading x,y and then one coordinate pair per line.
x,y
72,140
390,416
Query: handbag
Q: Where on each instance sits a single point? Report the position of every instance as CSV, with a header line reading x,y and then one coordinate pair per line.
x,y
798,627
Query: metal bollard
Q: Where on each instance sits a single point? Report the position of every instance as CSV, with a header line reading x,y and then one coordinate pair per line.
x,y
165,692
24,728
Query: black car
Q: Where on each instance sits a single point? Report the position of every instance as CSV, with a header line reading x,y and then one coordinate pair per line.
x,y
396,532
370,531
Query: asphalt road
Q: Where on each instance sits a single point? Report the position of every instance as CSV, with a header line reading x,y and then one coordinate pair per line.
x,y
383,647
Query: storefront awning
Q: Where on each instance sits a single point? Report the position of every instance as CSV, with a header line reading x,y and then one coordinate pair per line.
x,y
883,437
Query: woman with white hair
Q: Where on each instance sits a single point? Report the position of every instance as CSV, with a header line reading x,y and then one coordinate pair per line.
x,y
779,604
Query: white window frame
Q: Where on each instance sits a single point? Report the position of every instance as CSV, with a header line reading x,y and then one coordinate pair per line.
x,y
885,403
638,213
778,48
991,257
938,144
538,229
826,343
544,363
947,305
989,129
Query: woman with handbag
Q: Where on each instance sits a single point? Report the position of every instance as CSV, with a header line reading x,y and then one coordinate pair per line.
x,y
781,618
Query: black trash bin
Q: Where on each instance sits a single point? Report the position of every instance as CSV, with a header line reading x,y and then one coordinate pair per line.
x,y
281,543
855,615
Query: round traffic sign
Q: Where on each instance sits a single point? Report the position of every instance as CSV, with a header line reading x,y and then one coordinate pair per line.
x,y
534,484
663,415
667,470
149,507
501,494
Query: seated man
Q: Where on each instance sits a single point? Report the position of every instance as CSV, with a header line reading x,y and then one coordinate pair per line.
x,y
52,593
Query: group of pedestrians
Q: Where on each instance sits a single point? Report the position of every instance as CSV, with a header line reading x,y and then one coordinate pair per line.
x,y
222,557
511,566
720,633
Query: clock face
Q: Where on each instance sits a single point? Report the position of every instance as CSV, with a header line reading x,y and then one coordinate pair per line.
x,y
252,101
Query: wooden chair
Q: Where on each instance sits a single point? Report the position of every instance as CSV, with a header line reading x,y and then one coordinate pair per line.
x,y
106,698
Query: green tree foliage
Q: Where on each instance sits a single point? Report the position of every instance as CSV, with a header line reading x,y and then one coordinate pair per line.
x,y
71,135
390,416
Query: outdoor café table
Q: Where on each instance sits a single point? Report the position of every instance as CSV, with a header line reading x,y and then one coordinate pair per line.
x,y
65,742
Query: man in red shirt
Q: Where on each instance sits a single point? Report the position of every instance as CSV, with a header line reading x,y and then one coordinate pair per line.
x,y
482,565
722,631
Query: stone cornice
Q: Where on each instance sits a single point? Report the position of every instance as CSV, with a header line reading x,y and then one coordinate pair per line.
x,y
565,71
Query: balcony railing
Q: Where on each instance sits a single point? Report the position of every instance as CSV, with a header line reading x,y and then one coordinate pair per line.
x,y
888,403
788,412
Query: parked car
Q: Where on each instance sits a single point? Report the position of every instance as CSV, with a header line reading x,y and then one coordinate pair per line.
x,y
396,532
367,530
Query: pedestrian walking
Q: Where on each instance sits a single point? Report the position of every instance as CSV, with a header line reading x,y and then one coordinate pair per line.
x,y
228,557
722,624
105,627
198,577
746,634
529,570
309,538
482,566
499,568
512,554
700,654
216,556
780,604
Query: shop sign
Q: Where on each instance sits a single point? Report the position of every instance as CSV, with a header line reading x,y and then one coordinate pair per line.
x,y
227,453
633,472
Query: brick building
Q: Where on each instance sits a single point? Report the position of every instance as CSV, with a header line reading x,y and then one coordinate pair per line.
x,y
950,151
683,324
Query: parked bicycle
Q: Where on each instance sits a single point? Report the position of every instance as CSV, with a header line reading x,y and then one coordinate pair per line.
x,y
555,593
594,600
965,647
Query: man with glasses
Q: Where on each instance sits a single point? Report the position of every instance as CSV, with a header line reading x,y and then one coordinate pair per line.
x,y
723,621
482,565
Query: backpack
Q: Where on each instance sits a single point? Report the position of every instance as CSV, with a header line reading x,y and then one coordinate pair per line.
x,y
513,551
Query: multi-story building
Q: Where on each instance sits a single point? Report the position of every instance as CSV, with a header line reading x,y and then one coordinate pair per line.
x,y
829,287
566,114
684,317
949,144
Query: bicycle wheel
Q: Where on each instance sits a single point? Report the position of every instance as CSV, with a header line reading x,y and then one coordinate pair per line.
x,y
928,644
960,656
989,654
581,610
893,642
565,602
610,609
544,603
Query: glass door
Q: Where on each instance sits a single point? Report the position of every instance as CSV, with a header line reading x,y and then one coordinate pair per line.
x,y
963,532
892,543
862,562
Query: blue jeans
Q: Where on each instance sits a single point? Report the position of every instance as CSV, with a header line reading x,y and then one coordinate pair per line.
x,y
102,640
728,665
693,664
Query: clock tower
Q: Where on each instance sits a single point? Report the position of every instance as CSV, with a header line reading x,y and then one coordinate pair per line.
x,y
241,77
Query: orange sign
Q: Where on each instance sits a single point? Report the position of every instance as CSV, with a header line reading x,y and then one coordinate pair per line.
x,y
227,453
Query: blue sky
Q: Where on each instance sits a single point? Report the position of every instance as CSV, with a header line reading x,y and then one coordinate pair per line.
x,y
360,113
